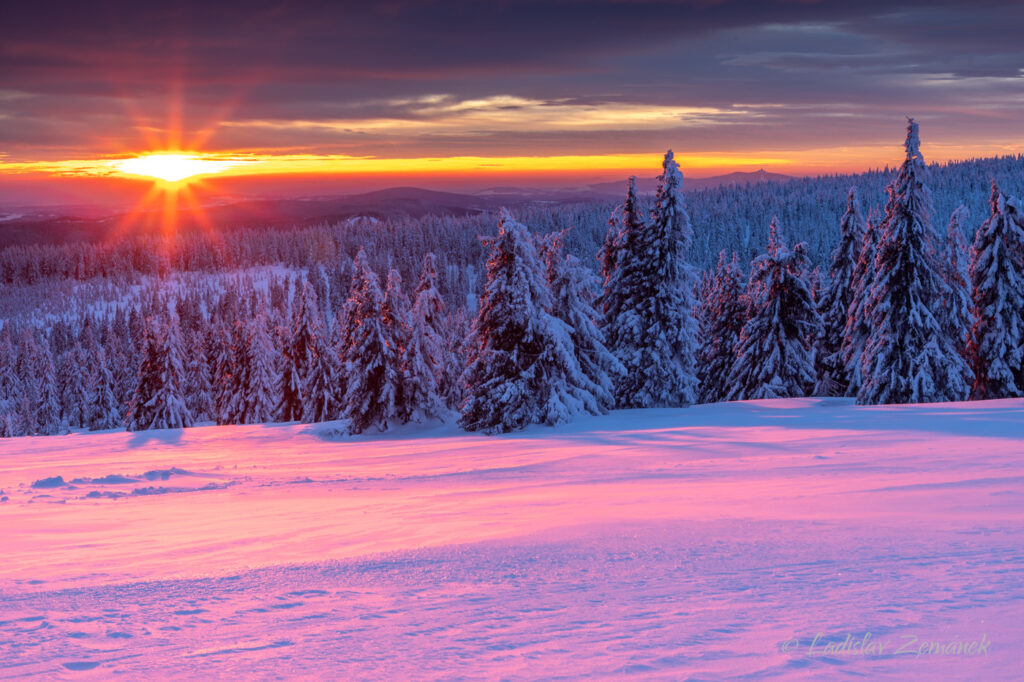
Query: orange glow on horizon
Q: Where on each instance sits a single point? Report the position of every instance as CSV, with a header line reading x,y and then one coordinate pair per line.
x,y
173,167
178,166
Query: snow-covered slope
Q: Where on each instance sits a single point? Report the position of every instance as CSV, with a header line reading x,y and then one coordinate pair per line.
x,y
712,542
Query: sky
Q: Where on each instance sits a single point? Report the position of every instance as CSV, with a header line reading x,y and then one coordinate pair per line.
x,y
293,97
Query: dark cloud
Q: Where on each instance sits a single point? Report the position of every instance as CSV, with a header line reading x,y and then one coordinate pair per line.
x,y
99,74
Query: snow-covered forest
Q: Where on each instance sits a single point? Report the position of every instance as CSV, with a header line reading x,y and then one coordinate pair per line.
x,y
894,286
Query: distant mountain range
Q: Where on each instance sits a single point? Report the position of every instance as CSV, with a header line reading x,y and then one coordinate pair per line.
x,y
24,225
649,185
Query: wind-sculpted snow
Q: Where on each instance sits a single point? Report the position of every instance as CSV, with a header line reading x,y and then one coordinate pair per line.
x,y
796,538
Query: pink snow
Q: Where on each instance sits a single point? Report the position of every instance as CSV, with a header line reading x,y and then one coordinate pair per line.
x,y
698,542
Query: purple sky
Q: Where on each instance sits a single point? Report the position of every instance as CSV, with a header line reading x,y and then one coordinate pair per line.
x,y
818,85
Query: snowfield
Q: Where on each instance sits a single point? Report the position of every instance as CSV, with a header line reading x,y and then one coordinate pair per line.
x,y
801,539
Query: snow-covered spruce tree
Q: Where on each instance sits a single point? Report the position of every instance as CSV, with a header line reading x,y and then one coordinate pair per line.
x,y
256,379
521,360
909,358
571,287
996,345
625,218
395,314
199,380
457,343
372,359
43,389
298,353
776,349
224,371
956,300
74,374
648,302
323,386
159,401
834,306
724,314
858,314
102,412
424,355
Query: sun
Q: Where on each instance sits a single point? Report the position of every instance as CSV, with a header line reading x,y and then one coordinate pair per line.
x,y
173,166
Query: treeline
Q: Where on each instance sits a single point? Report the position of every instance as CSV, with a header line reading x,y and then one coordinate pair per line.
x,y
904,311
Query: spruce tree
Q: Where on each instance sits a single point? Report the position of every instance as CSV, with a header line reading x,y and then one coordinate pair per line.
x,y
424,355
522,356
908,357
858,313
372,359
297,356
102,412
648,301
723,315
199,381
256,378
572,302
996,345
775,355
834,306
159,401
956,299
322,388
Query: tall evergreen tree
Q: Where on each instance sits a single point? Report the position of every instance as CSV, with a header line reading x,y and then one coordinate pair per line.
x,y
372,359
159,401
648,302
834,306
522,356
956,299
775,355
724,314
297,358
424,354
103,411
254,399
908,357
224,372
997,290
199,380
858,313
323,385
572,302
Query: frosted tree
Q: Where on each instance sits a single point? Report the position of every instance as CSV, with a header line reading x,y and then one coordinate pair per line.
x,y
624,219
298,354
199,380
372,359
834,306
44,391
424,355
909,358
103,411
776,350
572,302
723,307
323,384
224,371
522,356
159,401
256,377
956,299
858,313
74,374
996,347
648,301
395,315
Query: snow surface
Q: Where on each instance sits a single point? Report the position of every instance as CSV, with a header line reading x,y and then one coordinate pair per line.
x,y
707,543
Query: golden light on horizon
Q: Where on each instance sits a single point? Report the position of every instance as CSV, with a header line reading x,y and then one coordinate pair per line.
x,y
173,166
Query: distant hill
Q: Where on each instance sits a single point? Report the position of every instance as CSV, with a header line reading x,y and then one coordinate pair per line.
x,y
649,185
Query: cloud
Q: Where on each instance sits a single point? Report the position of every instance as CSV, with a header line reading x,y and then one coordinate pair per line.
x,y
411,79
